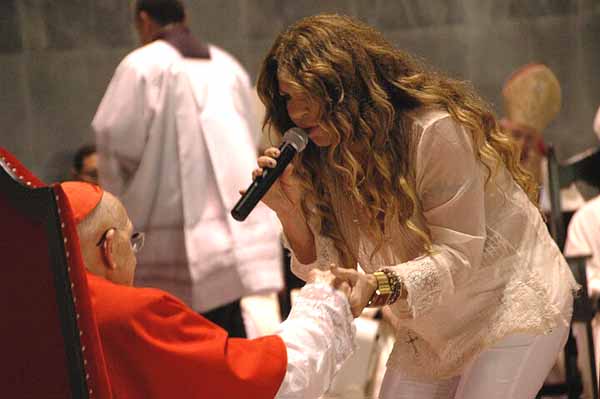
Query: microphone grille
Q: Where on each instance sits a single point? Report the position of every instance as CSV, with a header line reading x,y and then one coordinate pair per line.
x,y
296,137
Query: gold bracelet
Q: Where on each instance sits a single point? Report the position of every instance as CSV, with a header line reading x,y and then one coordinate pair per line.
x,y
382,292
389,289
396,284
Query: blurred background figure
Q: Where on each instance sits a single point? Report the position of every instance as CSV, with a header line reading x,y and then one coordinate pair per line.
x,y
85,164
532,100
583,239
177,137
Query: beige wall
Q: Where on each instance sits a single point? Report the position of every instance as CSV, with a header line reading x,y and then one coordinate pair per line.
x,y
58,55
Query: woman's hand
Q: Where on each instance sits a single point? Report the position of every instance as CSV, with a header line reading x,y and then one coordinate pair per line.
x,y
326,277
363,286
284,195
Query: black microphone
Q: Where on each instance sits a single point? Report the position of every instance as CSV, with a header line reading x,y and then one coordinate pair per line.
x,y
294,141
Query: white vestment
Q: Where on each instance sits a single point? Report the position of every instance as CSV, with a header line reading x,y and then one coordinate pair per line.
x,y
583,239
176,141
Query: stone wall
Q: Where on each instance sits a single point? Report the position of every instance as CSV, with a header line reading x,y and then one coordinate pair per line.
x,y
57,56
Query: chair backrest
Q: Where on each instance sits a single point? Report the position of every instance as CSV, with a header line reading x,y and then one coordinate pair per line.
x,y
583,309
584,312
50,342
582,167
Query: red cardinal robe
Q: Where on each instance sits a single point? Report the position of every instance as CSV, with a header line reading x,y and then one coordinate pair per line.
x,y
157,347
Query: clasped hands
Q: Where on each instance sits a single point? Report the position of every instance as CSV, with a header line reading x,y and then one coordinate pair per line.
x,y
356,286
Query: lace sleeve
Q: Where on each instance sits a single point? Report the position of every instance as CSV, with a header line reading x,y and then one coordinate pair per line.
x,y
319,337
450,185
429,279
327,256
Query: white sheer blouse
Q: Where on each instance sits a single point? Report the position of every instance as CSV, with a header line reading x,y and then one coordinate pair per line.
x,y
494,269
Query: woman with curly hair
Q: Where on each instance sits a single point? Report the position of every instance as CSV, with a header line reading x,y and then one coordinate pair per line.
x,y
408,175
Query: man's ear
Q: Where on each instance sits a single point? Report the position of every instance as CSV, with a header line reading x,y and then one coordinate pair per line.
x,y
107,250
143,16
146,21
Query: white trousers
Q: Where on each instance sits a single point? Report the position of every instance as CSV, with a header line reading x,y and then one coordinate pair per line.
x,y
514,368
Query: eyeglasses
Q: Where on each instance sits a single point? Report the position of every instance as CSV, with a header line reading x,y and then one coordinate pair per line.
x,y
136,240
89,176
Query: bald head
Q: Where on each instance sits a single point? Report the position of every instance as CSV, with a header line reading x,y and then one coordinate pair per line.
x,y
104,235
108,213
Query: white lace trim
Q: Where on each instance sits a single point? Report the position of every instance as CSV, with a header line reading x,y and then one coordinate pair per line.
x,y
326,259
425,282
416,357
496,247
319,337
319,303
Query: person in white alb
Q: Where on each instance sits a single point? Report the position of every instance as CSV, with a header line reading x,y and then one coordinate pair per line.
x,y
176,136
583,239
409,175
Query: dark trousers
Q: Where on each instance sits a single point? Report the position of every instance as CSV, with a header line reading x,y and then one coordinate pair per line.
x,y
230,318
291,282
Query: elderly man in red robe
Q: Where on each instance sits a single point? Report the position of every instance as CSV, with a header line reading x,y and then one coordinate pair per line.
x,y
157,347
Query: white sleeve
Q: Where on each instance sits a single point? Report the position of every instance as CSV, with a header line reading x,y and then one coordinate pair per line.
x,y
327,255
319,337
582,236
450,184
121,125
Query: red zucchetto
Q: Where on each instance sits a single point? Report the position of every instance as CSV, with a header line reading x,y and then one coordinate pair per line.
x,y
83,198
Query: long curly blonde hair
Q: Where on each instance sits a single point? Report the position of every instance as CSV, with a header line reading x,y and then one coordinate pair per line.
x,y
364,87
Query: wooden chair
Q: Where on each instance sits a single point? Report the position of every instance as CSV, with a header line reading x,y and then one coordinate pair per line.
x,y
583,167
49,337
